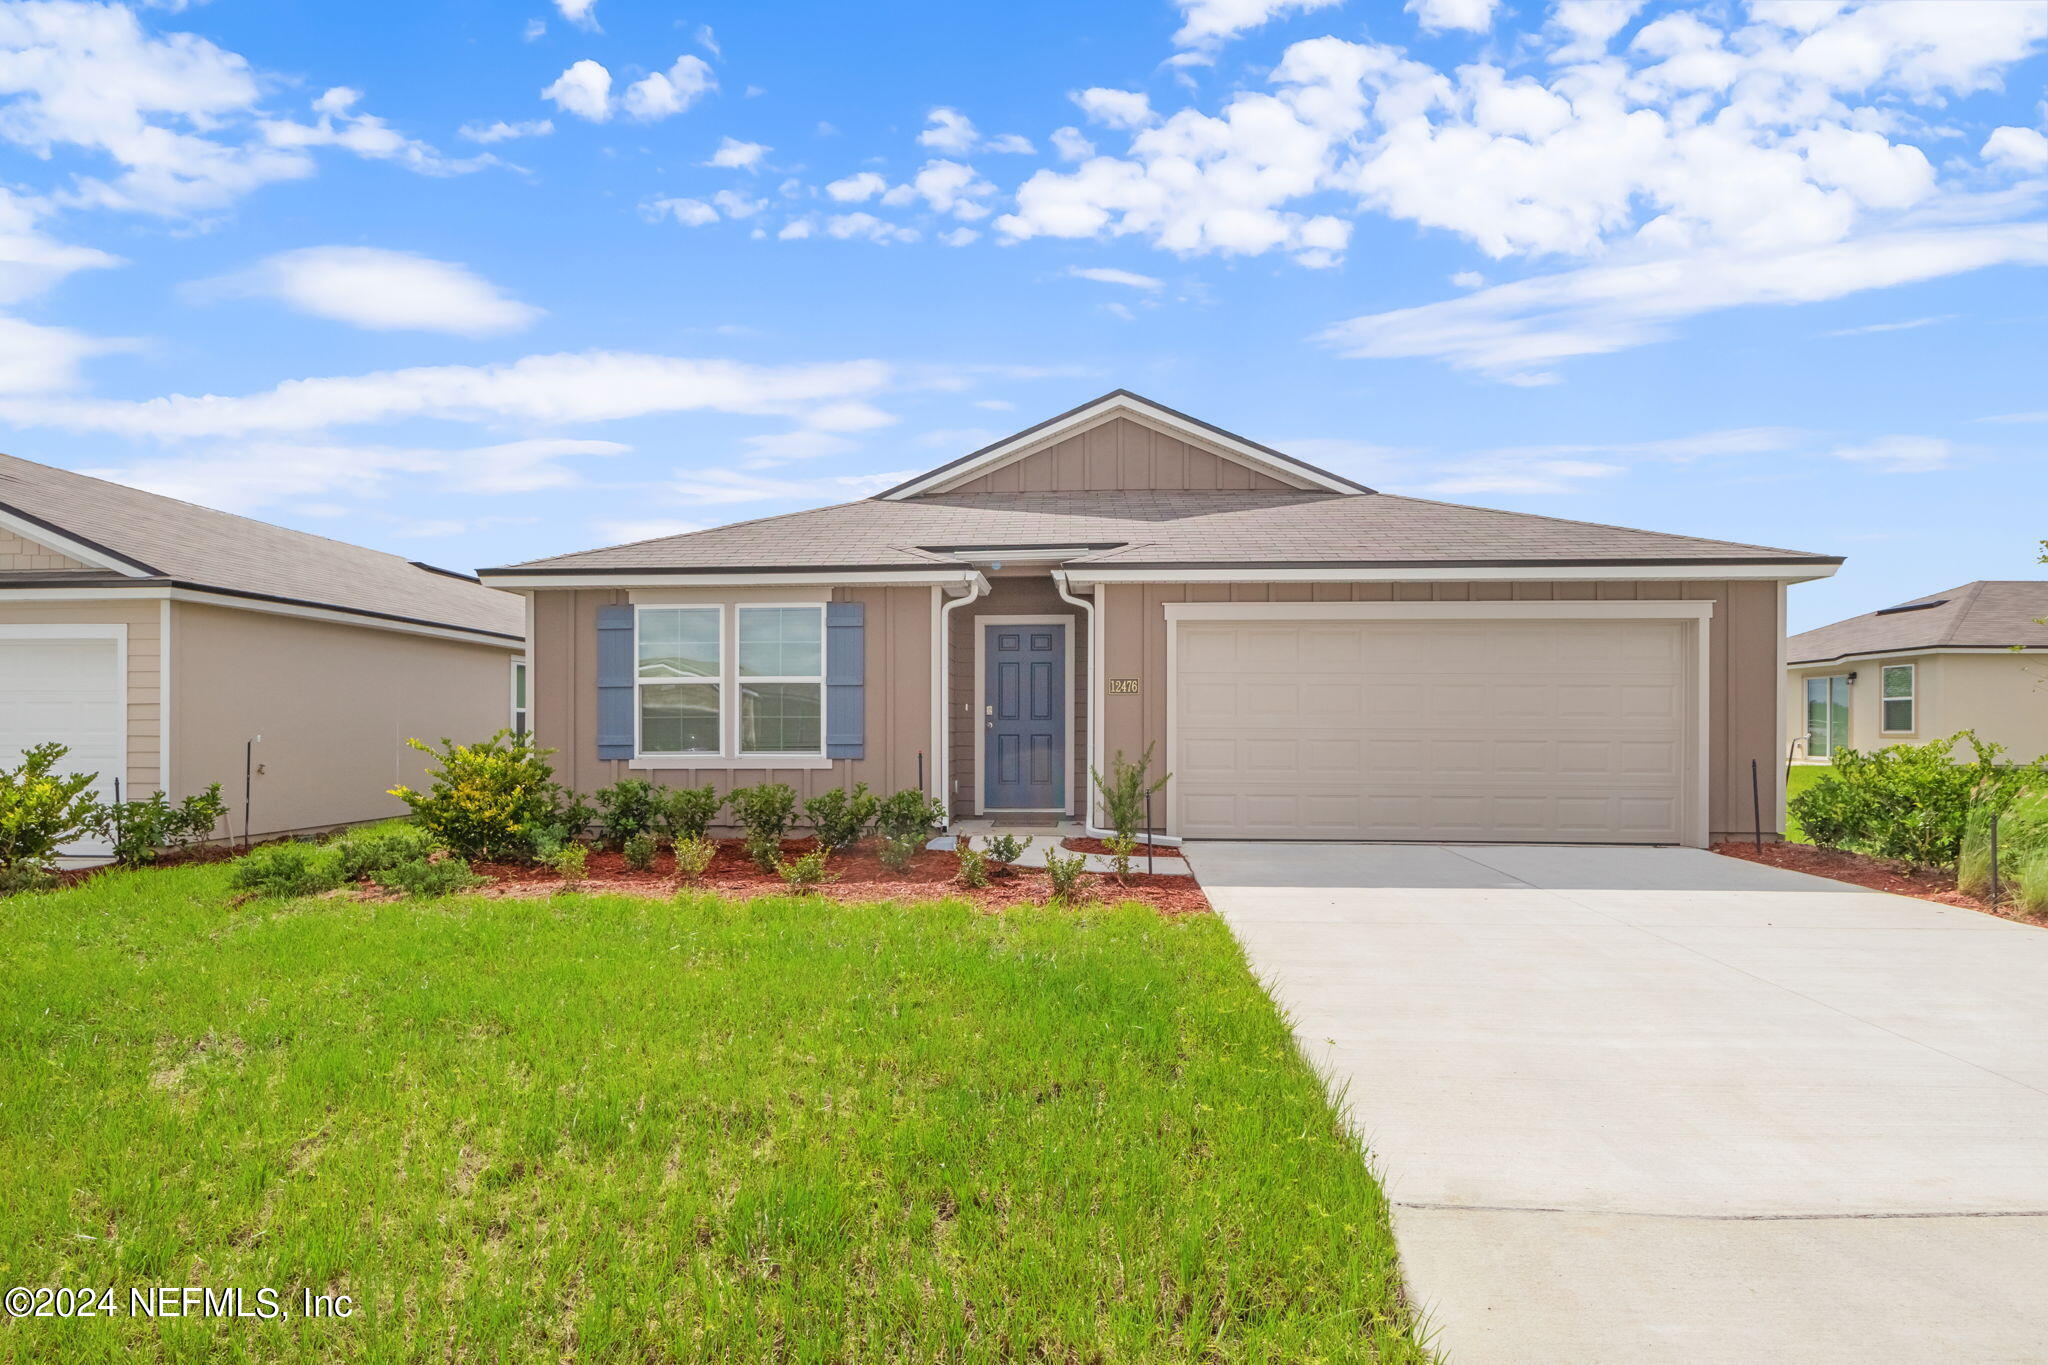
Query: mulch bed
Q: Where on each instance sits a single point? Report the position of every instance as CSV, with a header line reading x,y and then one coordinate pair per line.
x,y
860,877
1076,844
1878,874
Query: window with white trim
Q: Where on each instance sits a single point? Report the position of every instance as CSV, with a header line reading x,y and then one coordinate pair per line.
x,y
781,679
519,697
1898,682
678,679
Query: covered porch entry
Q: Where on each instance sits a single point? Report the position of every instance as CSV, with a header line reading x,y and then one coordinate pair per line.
x,y
1017,700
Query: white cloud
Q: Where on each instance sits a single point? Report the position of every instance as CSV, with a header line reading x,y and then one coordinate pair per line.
x,y
585,90
544,390
582,13
796,231
2022,149
960,236
1515,331
733,204
688,212
948,130
660,95
1115,108
379,290
1009,144
1475,16
652,528
533,30
708,40
724,486
1469,279
1206,23
736,155
501,131
2017,417
337,124
1901,454
1070,145
31,260
950,187
1106,275
857,188
1870,327
1531,470
38,359
867,227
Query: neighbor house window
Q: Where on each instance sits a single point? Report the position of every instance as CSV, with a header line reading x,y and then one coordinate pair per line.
x,y
1827,715
781,680
1898,683
678,675
519,697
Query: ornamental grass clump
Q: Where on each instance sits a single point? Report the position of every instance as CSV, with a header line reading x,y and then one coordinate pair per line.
x,y
486,800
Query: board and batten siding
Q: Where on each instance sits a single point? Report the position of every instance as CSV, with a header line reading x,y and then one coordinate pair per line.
x,y
1119,454
1743,680
144,620
899,649
1011,593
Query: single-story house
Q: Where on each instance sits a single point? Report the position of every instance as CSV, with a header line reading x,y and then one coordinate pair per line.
x,y
172,646
1308,658
1968,658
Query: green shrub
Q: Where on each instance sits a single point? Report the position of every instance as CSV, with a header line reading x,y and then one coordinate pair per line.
x,y
2022,816
420,877
687,812
1005,849
41,810
1905,801
840,817
487,800
806,872
1066,872
896,854
628,808
1124,791
141,831
20,880
694,857
288,869
1120,850
571,863
909,817
764,812
1831,813
640,850
366,852
973,865
2030,883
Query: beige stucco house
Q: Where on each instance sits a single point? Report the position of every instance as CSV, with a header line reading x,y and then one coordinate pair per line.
x,y
172,646
1968,658
1309,658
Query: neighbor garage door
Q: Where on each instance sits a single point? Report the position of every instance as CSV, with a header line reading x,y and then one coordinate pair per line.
x,y
1539,730
68,691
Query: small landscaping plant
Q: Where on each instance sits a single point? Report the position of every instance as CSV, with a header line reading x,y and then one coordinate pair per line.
x,y
764,812
974,865
840,817
2022,819
906,822
687,812
1065,871
806,872
1125,790
2030,883
1121,847
571,863
628,808
41,810
486,800
1906,801
639,851
421,877
1005,849
694,857
142,831
286,869
366,852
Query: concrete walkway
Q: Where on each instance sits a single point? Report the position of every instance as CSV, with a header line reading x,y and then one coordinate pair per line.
x,y
1656,1105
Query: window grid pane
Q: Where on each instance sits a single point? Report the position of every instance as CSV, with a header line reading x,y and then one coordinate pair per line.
x,y
679,718
781,642
781,718
1898,715
678,643
1898,680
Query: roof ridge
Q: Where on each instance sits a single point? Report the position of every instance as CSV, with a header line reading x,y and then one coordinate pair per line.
x,y
1972,591
1612,526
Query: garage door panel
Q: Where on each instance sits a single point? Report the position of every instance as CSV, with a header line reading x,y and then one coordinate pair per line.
x,y
1555,730
69,691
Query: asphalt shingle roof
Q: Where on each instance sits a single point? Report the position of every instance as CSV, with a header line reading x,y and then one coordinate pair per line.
x,y
1988,614
181,543
1158,528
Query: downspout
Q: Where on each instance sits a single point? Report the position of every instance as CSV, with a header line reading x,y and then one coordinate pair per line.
x,y
1092,743
977,588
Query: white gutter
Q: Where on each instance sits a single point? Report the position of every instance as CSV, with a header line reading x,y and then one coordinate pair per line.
x,y
977,588
1093,742
1780,573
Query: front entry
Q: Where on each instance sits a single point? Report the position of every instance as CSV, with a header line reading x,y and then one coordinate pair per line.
x,y
1024,716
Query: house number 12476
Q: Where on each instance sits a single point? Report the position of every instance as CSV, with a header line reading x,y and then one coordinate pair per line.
x,y
1123,685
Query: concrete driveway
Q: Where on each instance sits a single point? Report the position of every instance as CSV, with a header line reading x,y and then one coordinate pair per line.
x,y
1644,1105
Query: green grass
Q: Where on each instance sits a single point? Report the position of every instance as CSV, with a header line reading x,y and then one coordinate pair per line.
x,y
605,1128
1800,777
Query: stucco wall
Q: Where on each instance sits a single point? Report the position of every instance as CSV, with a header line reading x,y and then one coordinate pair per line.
x,y
333,703
145,670
2001,695
1119,454
900,647
1011,593
1741,710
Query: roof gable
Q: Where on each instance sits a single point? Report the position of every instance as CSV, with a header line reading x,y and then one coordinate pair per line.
x,y
1988,614
1121,442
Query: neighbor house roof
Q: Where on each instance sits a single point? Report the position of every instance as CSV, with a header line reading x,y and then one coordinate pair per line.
x,y
135,539
1995,614
1156,529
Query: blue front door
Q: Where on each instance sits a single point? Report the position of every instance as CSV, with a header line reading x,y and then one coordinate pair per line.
x,y
1024,718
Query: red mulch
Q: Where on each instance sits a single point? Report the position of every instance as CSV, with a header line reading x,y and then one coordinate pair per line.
x,y
1080,845
1878,874
860,877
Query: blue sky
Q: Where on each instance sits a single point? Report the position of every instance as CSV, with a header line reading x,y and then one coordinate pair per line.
x,y
479,282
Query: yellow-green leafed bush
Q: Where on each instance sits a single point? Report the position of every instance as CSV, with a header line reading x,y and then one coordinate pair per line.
x,y
41,810
486,800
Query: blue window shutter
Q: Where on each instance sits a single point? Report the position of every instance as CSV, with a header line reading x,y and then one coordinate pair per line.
x,y
846,702
614,682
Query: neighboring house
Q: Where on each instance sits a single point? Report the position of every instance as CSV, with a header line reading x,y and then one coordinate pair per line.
x,y
159,640
1970,658
1309,658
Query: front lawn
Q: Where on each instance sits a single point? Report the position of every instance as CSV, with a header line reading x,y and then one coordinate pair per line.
x,y
1797,779
605,1127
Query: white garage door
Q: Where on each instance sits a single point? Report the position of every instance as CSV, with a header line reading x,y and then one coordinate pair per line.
x,y
69,691
1543,730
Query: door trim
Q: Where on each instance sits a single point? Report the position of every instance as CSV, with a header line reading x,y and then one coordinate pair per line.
x,y
1066,624
1698,705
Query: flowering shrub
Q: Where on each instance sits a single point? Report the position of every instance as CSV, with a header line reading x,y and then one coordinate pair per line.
x,y
41,811
486,800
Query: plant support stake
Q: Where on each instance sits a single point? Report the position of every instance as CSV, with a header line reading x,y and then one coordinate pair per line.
x,y
1756,805
1994,860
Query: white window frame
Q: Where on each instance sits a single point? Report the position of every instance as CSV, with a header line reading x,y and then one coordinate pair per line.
x,y
733,740
521,678
719,680
1912,698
